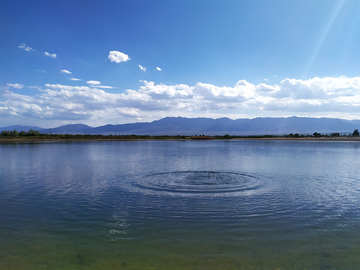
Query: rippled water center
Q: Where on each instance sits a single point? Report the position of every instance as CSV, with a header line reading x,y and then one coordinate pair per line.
x,y
180,205
198,182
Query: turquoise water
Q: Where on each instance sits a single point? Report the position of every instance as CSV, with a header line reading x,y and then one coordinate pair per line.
x,y
180,205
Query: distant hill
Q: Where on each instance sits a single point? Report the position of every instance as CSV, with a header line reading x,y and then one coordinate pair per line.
x,y
21,128
208,126
71,129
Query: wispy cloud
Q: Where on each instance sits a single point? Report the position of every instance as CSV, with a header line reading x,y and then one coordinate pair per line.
x,y
75,79
26,48
41,70
157,68
142,68
104,86
65,71
15,85
117,57
93,82
52,55
97,84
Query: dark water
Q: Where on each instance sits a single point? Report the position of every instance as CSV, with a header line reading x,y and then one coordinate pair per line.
x,y
180,205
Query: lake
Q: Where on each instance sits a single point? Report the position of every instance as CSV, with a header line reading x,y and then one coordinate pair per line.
x,y
180,205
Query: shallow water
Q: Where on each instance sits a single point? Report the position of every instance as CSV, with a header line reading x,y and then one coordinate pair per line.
x,y
180,205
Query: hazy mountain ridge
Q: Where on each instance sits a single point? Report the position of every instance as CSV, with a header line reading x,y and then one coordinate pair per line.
x,y
209,126
21,128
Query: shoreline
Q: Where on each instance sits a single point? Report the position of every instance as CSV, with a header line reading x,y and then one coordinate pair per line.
x,y
340,139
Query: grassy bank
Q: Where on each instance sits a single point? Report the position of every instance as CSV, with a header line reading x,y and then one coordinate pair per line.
x,y
36,135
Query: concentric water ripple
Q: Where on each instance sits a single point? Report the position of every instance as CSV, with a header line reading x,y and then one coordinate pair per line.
x,y
195,182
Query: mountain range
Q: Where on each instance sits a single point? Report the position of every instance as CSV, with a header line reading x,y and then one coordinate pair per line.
x,y
209,126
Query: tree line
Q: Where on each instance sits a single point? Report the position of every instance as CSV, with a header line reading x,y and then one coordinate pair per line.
x,y
36,134
355,133
15,133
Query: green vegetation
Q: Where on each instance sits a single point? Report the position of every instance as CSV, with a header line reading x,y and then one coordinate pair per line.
x,y
229,137
319,135
22,133
34,134
296,135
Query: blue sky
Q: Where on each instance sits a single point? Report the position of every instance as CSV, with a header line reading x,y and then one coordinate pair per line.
x,y
113,62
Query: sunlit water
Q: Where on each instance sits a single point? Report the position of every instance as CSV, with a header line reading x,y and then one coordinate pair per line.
x,y
180,205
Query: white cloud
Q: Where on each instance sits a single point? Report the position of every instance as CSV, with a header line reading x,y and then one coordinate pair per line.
x,y
117,57
104,87
15,85
52,55
65,71
41,70
75,79
142,68
157,68
338,96
97,84
26,48
318,88
93,82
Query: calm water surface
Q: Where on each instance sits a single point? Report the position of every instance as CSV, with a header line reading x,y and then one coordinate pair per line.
x,y
180,205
